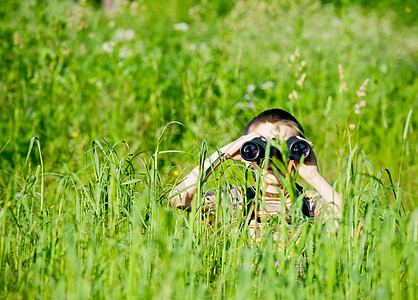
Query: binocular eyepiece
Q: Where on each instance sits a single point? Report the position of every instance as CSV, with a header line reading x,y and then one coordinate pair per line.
x,y
255,149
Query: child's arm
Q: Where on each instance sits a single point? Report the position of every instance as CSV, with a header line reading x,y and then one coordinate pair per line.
x,y
310,173
182,195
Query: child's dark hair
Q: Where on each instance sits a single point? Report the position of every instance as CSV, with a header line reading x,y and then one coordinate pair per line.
x,y
273,116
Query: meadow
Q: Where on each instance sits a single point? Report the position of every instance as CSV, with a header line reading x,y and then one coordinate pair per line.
x,y
103,114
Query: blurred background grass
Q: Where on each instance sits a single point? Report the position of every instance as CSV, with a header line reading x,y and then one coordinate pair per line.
x,y
71,73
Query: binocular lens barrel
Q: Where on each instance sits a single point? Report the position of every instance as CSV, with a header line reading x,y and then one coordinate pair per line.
x,y
254,150
297,147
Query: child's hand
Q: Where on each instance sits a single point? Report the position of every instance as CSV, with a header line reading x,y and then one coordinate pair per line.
x,y
233,149
309,168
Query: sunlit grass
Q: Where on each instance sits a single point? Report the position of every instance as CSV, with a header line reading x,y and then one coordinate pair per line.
x,y
89,151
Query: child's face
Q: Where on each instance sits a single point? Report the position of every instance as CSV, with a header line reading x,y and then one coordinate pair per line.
x,y
269,131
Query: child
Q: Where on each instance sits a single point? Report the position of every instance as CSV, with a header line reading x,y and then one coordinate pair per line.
x,y
278,124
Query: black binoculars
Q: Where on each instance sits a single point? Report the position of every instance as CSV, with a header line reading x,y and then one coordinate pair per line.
x,y
255,149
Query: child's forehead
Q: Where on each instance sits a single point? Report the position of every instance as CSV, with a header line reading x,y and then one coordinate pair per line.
x,y
271,130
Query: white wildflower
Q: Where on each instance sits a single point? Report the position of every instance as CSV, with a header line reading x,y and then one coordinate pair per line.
x,y
267,85
124,52
251,88
203,47
124,35
107,47
99,83
181,27
247,97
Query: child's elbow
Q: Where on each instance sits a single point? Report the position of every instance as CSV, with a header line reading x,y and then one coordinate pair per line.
x,y
175,201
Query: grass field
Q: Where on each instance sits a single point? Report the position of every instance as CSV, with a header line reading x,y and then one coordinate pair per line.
x,y
101,115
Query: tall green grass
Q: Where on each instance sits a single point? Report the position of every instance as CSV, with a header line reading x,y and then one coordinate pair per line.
x,y
115,235
88,155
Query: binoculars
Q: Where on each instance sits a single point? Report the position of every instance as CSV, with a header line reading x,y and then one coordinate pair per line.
x,y
255,149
